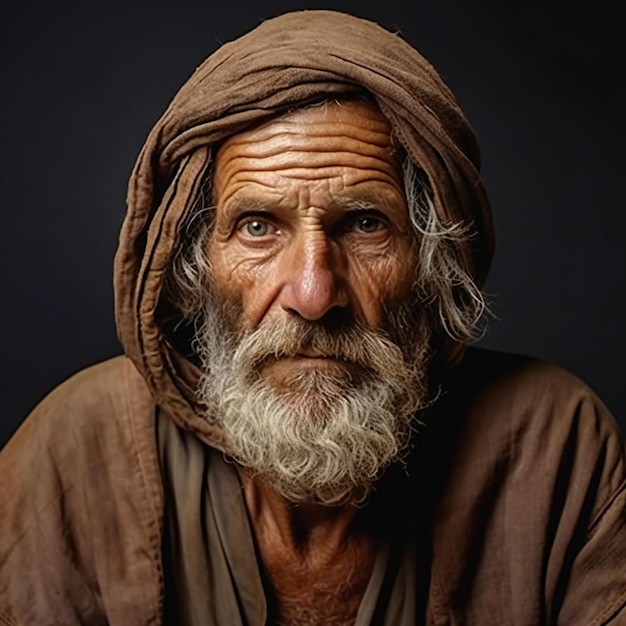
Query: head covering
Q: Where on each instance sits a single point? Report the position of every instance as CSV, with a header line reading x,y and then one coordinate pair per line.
x,y
285,62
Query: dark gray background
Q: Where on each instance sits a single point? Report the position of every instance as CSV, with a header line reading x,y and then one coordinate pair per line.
x,y
544,87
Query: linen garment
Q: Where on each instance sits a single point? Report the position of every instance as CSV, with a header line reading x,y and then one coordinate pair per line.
x,y
511,510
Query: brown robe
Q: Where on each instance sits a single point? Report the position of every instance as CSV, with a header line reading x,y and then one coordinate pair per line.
x,y
511,510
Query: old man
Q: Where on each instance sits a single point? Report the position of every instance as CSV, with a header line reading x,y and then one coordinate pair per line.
x,y
298,432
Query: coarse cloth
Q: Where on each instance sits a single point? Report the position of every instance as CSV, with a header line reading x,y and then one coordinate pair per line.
x,y
285,62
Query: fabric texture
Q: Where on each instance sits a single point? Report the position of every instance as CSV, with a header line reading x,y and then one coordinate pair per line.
x,y
518,486
287,61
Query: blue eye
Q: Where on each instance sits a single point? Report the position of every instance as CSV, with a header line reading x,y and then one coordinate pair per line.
x,y
256,228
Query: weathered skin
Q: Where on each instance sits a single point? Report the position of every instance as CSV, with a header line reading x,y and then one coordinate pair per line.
x,y
311,216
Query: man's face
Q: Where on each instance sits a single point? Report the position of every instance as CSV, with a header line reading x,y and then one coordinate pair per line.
x,y
311,221
313,347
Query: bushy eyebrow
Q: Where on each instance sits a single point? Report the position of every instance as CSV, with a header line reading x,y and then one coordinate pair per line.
x,y
248,204
371,202
367,202
361,204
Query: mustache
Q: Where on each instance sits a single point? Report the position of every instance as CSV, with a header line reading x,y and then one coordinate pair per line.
x,y
354,343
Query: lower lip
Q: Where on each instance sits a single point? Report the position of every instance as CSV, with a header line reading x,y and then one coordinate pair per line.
x,y
289,364
303,359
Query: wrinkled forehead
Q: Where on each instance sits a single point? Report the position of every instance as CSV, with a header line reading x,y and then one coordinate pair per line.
x,y
310,130
347,141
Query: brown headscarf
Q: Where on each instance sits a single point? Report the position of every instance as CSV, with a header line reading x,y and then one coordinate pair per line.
x,y
285,62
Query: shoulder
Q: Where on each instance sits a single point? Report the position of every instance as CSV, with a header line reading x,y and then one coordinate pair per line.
x,y
488,370
103,395
101,417
529,468
108,382
81,473
530,424
101,410
519,392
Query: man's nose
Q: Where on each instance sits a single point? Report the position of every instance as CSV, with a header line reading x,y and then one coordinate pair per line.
x,y
313,277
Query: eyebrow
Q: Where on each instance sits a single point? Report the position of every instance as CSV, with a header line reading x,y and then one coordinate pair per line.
x,y
236,208
365,202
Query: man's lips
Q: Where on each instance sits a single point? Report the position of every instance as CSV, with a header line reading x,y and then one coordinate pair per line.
x,y
302,359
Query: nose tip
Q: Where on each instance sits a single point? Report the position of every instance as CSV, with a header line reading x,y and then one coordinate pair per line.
x,y
313,283
314,294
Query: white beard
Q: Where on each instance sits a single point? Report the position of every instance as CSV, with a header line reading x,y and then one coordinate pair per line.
x,y
324,435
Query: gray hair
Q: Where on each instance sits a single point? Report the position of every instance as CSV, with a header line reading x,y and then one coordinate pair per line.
x,y
443,284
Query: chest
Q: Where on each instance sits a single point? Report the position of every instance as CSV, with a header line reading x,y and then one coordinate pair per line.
x,y
306,589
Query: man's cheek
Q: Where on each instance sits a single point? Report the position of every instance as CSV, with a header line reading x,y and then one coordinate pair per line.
x,y
241,286
379,286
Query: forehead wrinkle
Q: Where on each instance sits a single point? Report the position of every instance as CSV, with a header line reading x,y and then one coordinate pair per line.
x,y
259,147
343,146
379,136
338,186
324,161
280,179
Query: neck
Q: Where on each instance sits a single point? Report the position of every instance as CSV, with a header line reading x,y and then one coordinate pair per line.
x,y
316,560
299,527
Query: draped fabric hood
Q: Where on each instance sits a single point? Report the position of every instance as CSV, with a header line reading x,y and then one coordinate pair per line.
x,y
285,62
